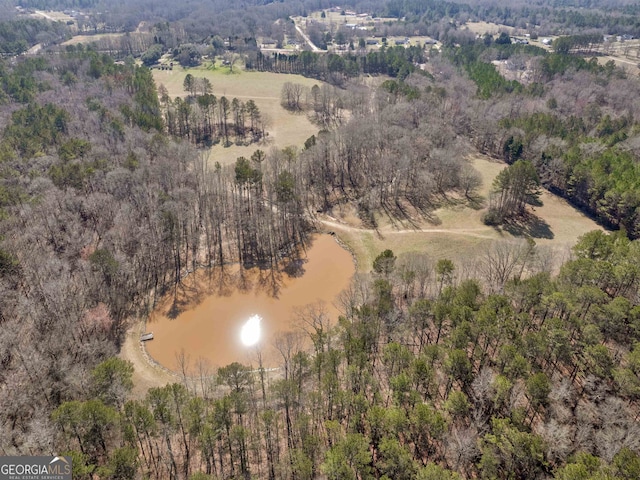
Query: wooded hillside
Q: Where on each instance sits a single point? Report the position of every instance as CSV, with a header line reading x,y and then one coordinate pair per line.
x,y
506,365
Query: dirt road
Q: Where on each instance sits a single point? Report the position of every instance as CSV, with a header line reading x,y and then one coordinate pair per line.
x,y
469,232
146,374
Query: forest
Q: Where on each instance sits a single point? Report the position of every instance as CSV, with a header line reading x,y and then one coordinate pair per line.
x,y
203,19
421,378
507,365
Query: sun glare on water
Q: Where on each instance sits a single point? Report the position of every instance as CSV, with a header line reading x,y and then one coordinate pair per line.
x,y
251,331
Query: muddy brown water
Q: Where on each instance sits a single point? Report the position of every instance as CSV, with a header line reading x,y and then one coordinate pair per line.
x,y
208,326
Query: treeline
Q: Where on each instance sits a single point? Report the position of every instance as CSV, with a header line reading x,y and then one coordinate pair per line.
x,y
59,4
544,66
602,181
485,75
205,119
397,150
577,43
475,60
441,20
18,84
149,44
393,61
573,121
18,35
549,16
428,374
101,212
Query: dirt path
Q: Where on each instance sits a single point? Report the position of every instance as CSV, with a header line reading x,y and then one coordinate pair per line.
x,y
34,50
146,375
469,232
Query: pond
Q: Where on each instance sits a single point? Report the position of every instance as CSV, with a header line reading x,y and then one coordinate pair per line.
x,y
218,329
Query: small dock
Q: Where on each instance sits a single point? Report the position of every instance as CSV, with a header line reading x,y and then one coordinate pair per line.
x,y
145,337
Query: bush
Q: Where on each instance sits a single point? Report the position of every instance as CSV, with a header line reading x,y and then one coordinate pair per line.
x,y
492,218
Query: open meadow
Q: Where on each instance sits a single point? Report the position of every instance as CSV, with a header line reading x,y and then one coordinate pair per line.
x,y
480,28
78,39
455,230
53,16
285,128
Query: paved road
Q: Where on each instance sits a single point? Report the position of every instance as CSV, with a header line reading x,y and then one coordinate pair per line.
x,y
308,40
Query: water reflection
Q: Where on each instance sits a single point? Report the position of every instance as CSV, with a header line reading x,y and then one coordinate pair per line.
x,y
251,331
221,327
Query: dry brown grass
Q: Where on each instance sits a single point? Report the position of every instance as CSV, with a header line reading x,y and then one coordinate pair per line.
x,y
146,375
54,16
284,128
77,39
622,61
455,230
480,28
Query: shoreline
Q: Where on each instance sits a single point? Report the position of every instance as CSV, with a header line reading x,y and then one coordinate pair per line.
x,y
206,287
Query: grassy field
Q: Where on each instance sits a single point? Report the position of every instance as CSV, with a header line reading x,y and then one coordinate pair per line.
x,y
336,19
480,28
77,39
54,16
456,230
284,128
622,61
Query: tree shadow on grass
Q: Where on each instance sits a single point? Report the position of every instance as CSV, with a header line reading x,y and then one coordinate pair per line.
x,y
475,201
460,201
529,225
412,213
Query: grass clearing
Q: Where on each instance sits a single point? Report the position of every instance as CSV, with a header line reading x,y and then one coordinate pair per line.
x,y
480,28
631,66
456,230
78,39
285,128
335,19
54,16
